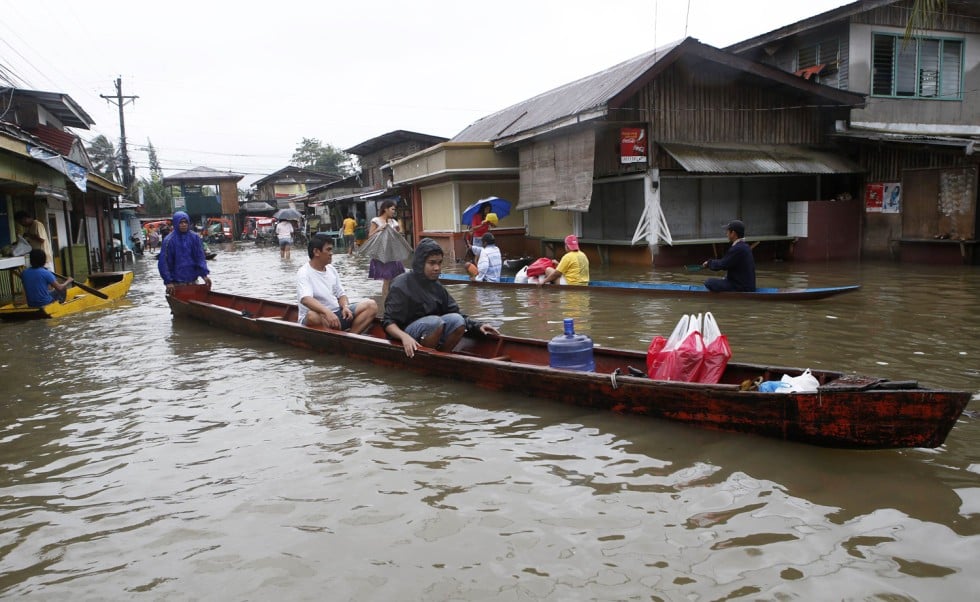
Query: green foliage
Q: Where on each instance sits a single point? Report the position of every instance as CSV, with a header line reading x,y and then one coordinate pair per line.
x,y
314,155
104,159
155,194
925,14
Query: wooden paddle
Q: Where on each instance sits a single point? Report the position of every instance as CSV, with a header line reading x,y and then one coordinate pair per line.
x,y
86,288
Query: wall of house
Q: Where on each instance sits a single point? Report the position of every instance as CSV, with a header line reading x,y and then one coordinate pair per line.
x,y
693,103
921,113
228,191
439,206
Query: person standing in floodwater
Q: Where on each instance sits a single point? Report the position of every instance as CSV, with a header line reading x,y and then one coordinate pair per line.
x,y
379,270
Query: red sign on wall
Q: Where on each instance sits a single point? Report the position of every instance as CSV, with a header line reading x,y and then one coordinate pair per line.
x,y
873,195
632,145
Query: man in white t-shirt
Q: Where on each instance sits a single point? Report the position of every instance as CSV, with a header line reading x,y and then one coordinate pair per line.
x,y
322,299
284,232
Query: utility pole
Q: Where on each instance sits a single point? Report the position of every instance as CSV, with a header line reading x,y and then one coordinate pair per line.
x,y
120,101
127,175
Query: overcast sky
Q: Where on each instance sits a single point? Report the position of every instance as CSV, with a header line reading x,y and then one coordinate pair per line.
x,y
237,85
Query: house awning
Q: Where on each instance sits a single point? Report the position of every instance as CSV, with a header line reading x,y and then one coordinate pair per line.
x,y
758,159
258,206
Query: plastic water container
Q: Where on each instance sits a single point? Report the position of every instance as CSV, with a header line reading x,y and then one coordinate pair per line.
x,y
570,351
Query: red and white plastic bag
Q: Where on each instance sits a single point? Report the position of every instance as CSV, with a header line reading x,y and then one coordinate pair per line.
x,y
678,358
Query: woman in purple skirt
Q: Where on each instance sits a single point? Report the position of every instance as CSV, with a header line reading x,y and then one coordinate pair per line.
x,y
379,270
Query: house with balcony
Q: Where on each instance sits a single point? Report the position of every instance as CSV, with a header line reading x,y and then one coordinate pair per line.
x,y
916,136
205,193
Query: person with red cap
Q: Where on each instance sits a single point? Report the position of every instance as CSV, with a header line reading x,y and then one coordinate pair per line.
x,y
574,265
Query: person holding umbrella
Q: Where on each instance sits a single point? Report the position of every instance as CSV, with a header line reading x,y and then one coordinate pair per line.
x,y
484,214
379,270
284,232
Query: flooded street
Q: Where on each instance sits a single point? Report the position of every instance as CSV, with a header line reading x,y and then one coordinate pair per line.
x,y
147,458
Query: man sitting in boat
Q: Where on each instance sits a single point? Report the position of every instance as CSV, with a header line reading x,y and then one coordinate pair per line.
x,y
39,282
489,263
419,311
574,265
322,299
737,260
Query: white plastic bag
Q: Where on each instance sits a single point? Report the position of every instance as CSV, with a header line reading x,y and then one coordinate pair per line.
x,y
21,248
709,328
804,383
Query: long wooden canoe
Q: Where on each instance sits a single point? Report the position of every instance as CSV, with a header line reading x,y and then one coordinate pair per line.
x,y
670,290
847,411
114,285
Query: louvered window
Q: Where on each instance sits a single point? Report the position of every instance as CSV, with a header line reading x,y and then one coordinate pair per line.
x,y
826,53
927,68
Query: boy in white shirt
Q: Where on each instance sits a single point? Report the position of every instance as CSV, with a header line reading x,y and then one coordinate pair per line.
x,y
322,299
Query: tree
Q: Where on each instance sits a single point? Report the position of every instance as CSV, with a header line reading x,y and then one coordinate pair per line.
x,y
155,194
314,155
105,162
925,14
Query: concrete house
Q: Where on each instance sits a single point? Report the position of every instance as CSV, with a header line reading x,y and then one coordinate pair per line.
x,y
917,134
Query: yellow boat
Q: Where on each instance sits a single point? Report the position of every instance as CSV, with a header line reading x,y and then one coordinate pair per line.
x,y
99,290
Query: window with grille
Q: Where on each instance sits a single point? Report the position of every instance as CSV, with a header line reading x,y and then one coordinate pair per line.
x,y
926,68
826,53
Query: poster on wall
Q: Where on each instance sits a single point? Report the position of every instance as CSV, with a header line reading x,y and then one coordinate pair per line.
x,y
632,145
891,197
873,194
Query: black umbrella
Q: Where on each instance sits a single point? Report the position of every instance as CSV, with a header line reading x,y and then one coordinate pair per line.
x,y
287,214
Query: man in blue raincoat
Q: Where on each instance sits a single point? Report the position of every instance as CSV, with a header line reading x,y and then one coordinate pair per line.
x,y
181,258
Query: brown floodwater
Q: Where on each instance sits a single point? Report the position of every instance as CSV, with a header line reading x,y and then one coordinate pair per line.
x,y
147,458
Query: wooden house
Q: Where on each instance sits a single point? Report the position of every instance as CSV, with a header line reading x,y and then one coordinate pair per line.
x,y
375,156
203,192
916,136
679,141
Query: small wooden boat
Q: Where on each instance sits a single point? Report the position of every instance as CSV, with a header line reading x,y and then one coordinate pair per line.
x,y
100,289
847,411
669,289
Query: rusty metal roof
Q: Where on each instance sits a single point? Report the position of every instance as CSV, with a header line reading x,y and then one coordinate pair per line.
x,y
592,97
758,158
577,98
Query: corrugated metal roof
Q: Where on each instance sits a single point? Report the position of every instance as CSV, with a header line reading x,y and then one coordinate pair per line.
x,y
758,158
62,106
391,139
575,98
591,98
203,173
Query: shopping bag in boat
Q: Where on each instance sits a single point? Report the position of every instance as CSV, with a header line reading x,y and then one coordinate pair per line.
x,y
717,351
538,267
680,357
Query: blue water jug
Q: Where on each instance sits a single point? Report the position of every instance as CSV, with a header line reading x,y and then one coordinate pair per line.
x,y
571,351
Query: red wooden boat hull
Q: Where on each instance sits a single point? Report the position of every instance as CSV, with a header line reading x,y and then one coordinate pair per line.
x,y
846,412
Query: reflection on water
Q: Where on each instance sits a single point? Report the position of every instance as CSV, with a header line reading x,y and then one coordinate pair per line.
x,y
143,455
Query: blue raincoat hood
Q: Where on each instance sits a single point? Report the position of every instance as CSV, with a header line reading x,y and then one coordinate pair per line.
x,y
179,215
